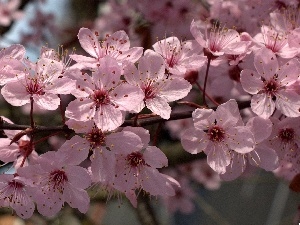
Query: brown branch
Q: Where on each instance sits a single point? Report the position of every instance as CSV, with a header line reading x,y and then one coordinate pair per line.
x,y
147,119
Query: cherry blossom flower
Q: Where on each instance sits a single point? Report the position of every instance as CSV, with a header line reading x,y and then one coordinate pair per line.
x,y
104,145
262,156
102,98
158,90
285,138
220,40
217,133
116,46
56,179
179,56
269,85
42,82
20,152
15,193
9,12
138,168
276,41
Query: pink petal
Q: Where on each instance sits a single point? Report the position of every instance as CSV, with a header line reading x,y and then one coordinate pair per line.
x,y
15,51
156,183
159,106
62,86
107,75
127,97
289,72
47,101
264,157
131,55
175,89
77,198
251,81
81,110
164,46
228,114
108,118
202,117
15,94
85,61
74,151
131,74
155,158
260,127
80,126
78,176
103,166
288,103
194,141
89,42
236,167
143,134
218,158
119,40
48,69
151,66
265,62
123,142
240,139
262,105
195,30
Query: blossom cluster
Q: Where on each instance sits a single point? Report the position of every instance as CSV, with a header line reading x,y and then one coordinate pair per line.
x,y
113,81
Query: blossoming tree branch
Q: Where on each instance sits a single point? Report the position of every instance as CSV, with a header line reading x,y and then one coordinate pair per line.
x,y
247,116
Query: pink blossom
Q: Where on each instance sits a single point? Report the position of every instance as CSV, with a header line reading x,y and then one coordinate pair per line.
x,y
276,41
104,145
269,85
217,133
220,40
15,193
138,168
56,179
158,90
116,46
102,97
42,82
262,156
179,56
17,152
285,138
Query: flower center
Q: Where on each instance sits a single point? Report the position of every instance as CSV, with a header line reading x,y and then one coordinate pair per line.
x,y
96,137
271,87
286,135
33,87
149,92
216,134
15,185
58,178
100,97
135,159
25,147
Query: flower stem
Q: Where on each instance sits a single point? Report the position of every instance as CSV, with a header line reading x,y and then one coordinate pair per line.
x,y
205,81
